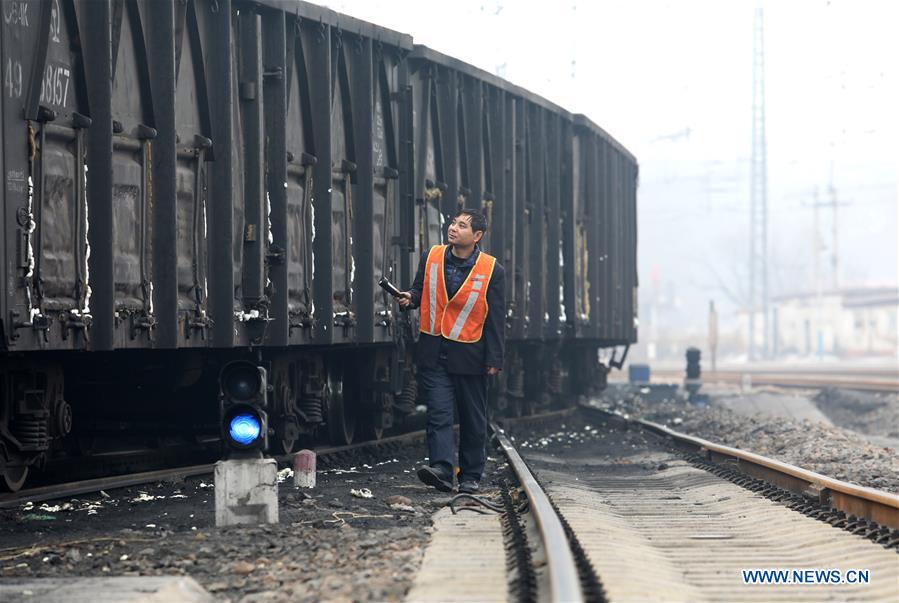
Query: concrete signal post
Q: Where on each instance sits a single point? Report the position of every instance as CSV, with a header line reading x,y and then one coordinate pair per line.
x,y
246,483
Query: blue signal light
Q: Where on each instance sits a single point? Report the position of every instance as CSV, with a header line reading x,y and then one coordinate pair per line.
x,y
245,428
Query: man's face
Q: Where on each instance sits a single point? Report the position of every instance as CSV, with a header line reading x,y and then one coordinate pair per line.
x,y
460,233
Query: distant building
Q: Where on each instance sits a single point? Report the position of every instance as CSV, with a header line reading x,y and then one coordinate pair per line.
x,y
842,323
872,326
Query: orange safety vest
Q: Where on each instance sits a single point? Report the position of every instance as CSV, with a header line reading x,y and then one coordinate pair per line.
x,y
462,317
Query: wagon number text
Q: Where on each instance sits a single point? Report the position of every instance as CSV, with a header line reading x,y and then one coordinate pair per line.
x,y
16,13
12,78
55,86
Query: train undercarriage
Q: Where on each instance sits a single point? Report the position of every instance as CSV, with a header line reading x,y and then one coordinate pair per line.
x,y
65,406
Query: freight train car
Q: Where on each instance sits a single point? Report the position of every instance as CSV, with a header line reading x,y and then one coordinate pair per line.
x,y
560,197
192,182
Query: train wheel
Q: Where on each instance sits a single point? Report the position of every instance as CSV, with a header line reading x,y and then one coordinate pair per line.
x,y
373,429
13,478
528,406
286,431
286,434
285,444
375,419
374,401
341,412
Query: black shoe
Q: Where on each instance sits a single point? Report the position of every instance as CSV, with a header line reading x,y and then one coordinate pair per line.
x,y
434,478
469,486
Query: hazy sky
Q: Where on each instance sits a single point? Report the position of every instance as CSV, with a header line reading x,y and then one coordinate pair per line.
x,y
672,81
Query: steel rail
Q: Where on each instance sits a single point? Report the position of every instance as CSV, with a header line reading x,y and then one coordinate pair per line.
x,y
564,580
54,491
867,503
44,493
878,382
786,369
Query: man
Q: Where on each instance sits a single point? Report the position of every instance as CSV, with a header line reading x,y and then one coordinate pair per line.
x,y
459,289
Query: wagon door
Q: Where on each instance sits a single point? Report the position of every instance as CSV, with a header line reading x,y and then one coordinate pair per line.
x,y
132,194
430,182
487,158
582,216
300,200
385,197
44,149
343,169
193,151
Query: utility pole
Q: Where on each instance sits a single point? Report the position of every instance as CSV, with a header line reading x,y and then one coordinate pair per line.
x,y
758,198
833,203
816,245
713,334
834,245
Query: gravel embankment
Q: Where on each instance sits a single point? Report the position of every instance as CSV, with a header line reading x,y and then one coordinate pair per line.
x,y
832,451
874,413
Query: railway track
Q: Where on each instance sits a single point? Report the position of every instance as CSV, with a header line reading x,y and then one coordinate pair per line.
x,y
652,514
881,380
325,455
850,500
564,580
627,510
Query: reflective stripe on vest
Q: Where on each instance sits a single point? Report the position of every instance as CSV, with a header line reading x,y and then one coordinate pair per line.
x,y
433,293
462,317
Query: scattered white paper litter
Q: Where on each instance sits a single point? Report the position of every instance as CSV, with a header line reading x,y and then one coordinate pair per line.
x,y
48,509
402,507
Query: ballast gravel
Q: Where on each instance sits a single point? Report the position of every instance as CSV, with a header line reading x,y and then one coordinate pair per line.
x,y
330,544
872,413
834,451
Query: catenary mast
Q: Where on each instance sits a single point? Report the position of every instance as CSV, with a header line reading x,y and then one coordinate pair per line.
x,y
758,198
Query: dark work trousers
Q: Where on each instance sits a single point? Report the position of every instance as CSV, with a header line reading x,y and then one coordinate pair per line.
x,y
439,389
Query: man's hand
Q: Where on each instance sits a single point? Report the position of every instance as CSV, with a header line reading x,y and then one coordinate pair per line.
x,y
405,299
492,370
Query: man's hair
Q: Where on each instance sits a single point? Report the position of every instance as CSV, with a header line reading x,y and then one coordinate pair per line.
x,y
478,219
